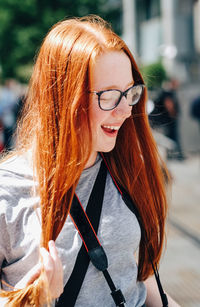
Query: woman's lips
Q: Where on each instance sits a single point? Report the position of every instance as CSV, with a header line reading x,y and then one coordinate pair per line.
x,y
110,130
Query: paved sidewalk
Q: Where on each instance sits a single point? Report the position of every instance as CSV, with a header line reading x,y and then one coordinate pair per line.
x,y
180,266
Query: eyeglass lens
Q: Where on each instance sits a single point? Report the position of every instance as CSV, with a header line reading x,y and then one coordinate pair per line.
x,y
109,99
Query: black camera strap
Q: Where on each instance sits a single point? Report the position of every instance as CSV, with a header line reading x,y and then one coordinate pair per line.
x,y
91,250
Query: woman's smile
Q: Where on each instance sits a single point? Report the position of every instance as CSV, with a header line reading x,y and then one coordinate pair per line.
x,y
110,130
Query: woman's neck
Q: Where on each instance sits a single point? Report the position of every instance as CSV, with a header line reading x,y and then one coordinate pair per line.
x,y
91,160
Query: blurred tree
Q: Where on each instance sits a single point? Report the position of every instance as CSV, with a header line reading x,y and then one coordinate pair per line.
x,y
154,74
24,23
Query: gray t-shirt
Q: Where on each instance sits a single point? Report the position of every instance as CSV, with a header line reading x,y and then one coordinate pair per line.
x,y
119,234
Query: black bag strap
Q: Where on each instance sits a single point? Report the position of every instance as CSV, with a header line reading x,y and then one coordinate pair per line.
x,y
87,226
92,246
73,286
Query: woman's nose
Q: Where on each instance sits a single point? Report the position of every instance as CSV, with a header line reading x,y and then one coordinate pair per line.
x,y
123,108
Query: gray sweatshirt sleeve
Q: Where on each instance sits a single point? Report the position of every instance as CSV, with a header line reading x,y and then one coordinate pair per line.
x,y
4,236
19,226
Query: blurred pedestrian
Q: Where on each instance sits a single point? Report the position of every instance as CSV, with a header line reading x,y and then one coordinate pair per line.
x,y
1,137
166,115
8,100
195,109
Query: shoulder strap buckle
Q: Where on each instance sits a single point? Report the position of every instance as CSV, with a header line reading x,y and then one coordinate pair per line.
x,y
98,258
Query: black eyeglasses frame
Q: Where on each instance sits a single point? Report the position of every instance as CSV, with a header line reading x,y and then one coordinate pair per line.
x,y
121,95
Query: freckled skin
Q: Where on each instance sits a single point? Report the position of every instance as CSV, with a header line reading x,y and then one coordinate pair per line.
x,y
112,70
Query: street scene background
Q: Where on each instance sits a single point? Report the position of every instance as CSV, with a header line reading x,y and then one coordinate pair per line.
x,y
164,37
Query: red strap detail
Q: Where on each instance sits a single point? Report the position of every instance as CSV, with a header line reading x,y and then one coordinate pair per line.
x,y
86,213
88,222
79,232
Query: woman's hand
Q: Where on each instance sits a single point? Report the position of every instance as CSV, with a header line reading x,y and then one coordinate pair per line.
x,y
53,268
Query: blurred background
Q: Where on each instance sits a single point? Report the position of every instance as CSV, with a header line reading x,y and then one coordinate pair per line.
x,y
164,36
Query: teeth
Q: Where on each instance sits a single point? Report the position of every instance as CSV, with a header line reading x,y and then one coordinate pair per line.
x,y
112,127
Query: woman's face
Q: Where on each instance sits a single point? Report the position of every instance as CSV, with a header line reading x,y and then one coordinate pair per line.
x,y
112,70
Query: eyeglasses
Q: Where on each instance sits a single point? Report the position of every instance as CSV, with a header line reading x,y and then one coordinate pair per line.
x,y
109,99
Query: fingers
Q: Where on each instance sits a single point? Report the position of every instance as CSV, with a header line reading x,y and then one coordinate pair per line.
x,y
34,274
57,280
30,277
52,266
48,263
52,249
53,269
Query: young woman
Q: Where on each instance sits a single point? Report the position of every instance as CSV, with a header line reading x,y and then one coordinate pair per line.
x,y
85,107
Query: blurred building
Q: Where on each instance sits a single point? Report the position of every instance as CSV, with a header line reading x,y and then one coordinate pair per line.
x,y
167,30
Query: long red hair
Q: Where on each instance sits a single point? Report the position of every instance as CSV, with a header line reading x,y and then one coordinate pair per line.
x,y
56,125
